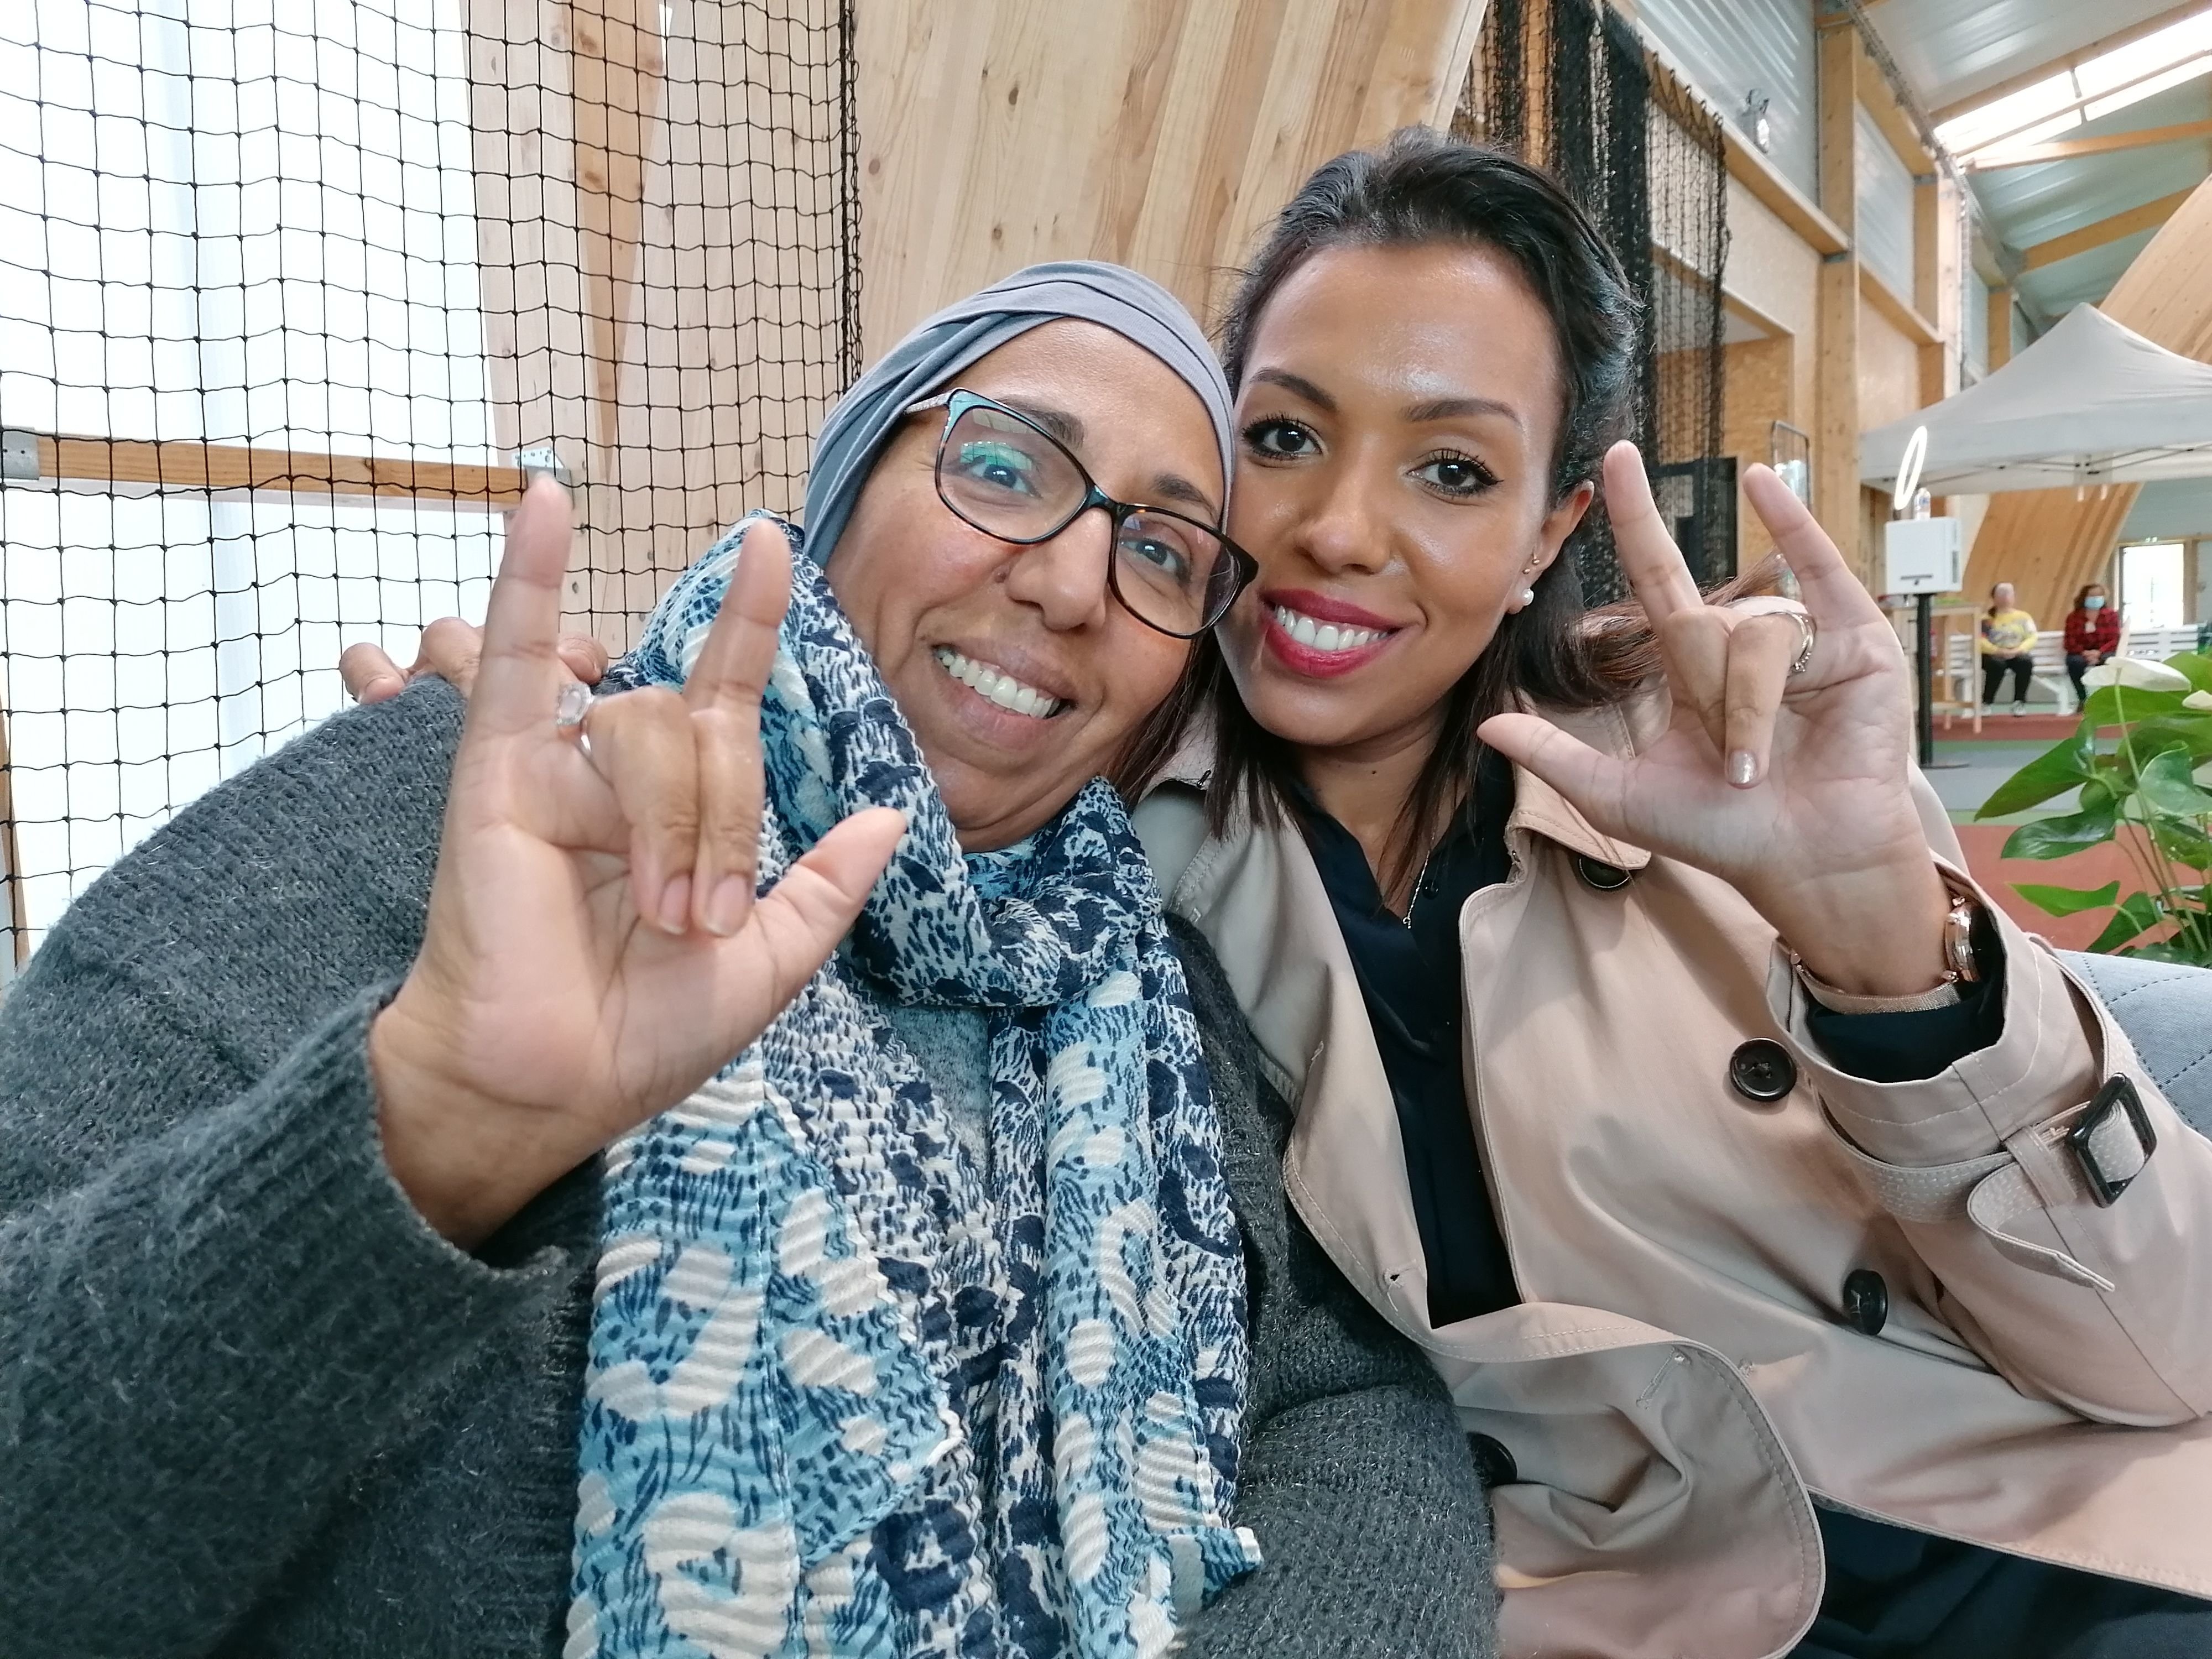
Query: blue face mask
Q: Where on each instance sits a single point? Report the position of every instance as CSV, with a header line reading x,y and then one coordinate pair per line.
x,y
2094,602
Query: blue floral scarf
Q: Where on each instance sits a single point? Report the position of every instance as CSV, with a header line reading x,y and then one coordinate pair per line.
x,y
841,1398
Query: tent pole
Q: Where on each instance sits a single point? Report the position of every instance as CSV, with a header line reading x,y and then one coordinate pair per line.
x,y
1923,671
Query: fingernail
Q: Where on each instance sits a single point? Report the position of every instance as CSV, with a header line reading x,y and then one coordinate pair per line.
x,y
1742,768
727,908
676,904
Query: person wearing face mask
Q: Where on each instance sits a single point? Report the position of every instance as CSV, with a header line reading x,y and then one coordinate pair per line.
x,y
447,1207
1817,1265
2093,637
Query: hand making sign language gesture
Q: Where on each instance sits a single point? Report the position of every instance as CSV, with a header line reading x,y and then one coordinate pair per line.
x,y
1788,779
594,951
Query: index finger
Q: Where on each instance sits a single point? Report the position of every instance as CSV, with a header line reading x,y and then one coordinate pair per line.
x,y
519,677
1824,582
1648,555
740,648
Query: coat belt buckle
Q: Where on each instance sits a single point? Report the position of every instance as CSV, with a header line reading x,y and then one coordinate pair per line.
x,y
2119,1095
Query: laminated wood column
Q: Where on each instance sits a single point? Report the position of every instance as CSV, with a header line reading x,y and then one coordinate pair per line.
x,y
1836,401
1159,133
1999,330
2048,542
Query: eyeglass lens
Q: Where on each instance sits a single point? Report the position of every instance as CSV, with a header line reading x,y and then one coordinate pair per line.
x,y
1012,480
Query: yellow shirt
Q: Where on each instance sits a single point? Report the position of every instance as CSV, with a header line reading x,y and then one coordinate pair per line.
x,y
2008,634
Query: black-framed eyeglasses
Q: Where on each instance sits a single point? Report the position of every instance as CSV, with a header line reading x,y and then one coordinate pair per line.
x,y
1001,473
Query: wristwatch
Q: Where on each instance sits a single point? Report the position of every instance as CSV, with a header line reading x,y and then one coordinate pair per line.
x,y
1960,965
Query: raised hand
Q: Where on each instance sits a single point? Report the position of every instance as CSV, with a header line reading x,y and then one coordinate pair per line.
x,y
1795,790
450,649
594,951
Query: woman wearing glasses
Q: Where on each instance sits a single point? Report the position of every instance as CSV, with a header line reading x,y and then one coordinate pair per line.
x,y
401,1266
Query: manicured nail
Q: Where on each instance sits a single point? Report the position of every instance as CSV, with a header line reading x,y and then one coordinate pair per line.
x,y
727,908
676,904
1743,769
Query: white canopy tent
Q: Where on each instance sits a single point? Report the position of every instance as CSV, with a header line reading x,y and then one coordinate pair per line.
x,y
2091,403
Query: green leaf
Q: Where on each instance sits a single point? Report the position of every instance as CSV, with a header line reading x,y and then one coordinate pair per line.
x,y
2051,773
2117,704
2066,901
2137,914
2189,730
2055,837
2166,784
2183,843
2197,668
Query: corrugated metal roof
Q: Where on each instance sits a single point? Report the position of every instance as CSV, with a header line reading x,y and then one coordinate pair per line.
x,y
1951,50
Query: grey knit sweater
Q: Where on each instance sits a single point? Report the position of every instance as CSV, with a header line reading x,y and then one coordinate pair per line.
x,y
250,1405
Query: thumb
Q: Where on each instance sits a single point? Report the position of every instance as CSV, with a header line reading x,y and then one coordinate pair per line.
x,y
1596,785
812,909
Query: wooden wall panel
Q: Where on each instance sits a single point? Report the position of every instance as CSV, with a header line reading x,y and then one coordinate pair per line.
x,y
1760,379
2047,542
1159,133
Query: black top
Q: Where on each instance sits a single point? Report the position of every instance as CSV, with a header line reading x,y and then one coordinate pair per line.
x,y
1409,975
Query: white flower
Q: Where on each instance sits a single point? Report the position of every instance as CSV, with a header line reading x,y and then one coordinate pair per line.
x,y
2137,674
2198,699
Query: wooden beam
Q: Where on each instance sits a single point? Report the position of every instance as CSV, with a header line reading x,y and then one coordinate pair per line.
x,y
2051,66
2067,149
618,73
1836,489
1897,308
1998,346
2149,217
1880,101
1934,289
184,465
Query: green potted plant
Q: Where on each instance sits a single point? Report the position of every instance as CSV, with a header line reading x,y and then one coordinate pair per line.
x,y
2144,732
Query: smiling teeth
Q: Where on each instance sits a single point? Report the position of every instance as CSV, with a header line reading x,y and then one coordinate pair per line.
x,y
1323,636
997,686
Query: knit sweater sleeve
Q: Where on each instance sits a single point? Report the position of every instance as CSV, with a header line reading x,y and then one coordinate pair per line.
x,y
219,1306
1356,1478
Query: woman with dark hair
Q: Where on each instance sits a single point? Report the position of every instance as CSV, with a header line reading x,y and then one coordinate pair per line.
x,y
1697,1224
2093,637
1767,1197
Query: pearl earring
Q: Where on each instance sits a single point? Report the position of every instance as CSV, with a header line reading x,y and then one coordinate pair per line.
x,y
1528,597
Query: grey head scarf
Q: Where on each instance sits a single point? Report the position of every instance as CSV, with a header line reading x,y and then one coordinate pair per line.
x,y
924,362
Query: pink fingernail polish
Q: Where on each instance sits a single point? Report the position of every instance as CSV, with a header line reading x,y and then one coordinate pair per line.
x,y
676,904
1742,768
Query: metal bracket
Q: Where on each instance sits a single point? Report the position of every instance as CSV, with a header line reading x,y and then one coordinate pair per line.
x,y
19,456
544,462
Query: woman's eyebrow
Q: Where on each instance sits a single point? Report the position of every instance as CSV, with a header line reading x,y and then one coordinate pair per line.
x,y
1449,409
1297,385
1067,428
1174,487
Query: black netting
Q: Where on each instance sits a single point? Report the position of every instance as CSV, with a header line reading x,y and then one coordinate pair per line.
x,y
287,287
1646,161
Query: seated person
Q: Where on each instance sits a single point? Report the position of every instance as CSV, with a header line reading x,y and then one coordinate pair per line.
x,y
444,1211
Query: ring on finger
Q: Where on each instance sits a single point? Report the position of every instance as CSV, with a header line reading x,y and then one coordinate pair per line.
x,y
569,709
1809,636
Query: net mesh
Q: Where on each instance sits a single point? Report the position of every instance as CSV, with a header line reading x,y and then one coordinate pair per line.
x,y
285,291
1569,87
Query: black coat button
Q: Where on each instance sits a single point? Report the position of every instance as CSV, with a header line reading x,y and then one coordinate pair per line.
x,y
1606,877
1762,1070
1492,1461
1866,1301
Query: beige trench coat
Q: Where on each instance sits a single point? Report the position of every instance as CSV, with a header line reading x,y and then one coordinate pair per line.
x,y
1681,1376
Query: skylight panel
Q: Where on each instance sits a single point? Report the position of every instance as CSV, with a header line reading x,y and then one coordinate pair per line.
x,y
2089,91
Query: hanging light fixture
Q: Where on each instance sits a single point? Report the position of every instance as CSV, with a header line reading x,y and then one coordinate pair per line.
x,y
1755,120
